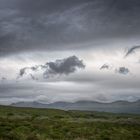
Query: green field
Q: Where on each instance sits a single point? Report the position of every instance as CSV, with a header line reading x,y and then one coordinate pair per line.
x,y
51,124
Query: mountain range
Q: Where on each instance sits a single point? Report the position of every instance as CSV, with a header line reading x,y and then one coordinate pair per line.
x,y
114,107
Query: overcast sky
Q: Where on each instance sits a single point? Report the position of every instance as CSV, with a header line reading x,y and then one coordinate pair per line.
x,y
69,50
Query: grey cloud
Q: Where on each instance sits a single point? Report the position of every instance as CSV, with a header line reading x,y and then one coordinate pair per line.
x,y
131,50
64,66
123,70
61,66
33,77
53,25
23,71
120,70
69,25
105,66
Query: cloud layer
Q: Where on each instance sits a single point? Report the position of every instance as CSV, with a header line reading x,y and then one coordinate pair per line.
x,y
53,25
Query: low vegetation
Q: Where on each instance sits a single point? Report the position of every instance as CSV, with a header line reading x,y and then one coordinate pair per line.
x,y
51,124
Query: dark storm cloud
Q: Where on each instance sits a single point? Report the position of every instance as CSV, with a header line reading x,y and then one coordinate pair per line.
x,y
27,25
64,66
131,50
122,70
59,67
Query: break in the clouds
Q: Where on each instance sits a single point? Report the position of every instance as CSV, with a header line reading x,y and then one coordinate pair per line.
x,y
59,67
69,50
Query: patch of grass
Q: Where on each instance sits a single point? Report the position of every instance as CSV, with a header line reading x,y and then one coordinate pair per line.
x,y
52,124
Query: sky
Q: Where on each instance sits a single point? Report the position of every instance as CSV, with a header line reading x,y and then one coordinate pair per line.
x,y
69,50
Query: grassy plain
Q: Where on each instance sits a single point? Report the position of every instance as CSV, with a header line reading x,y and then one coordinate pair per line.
x,y
52,124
